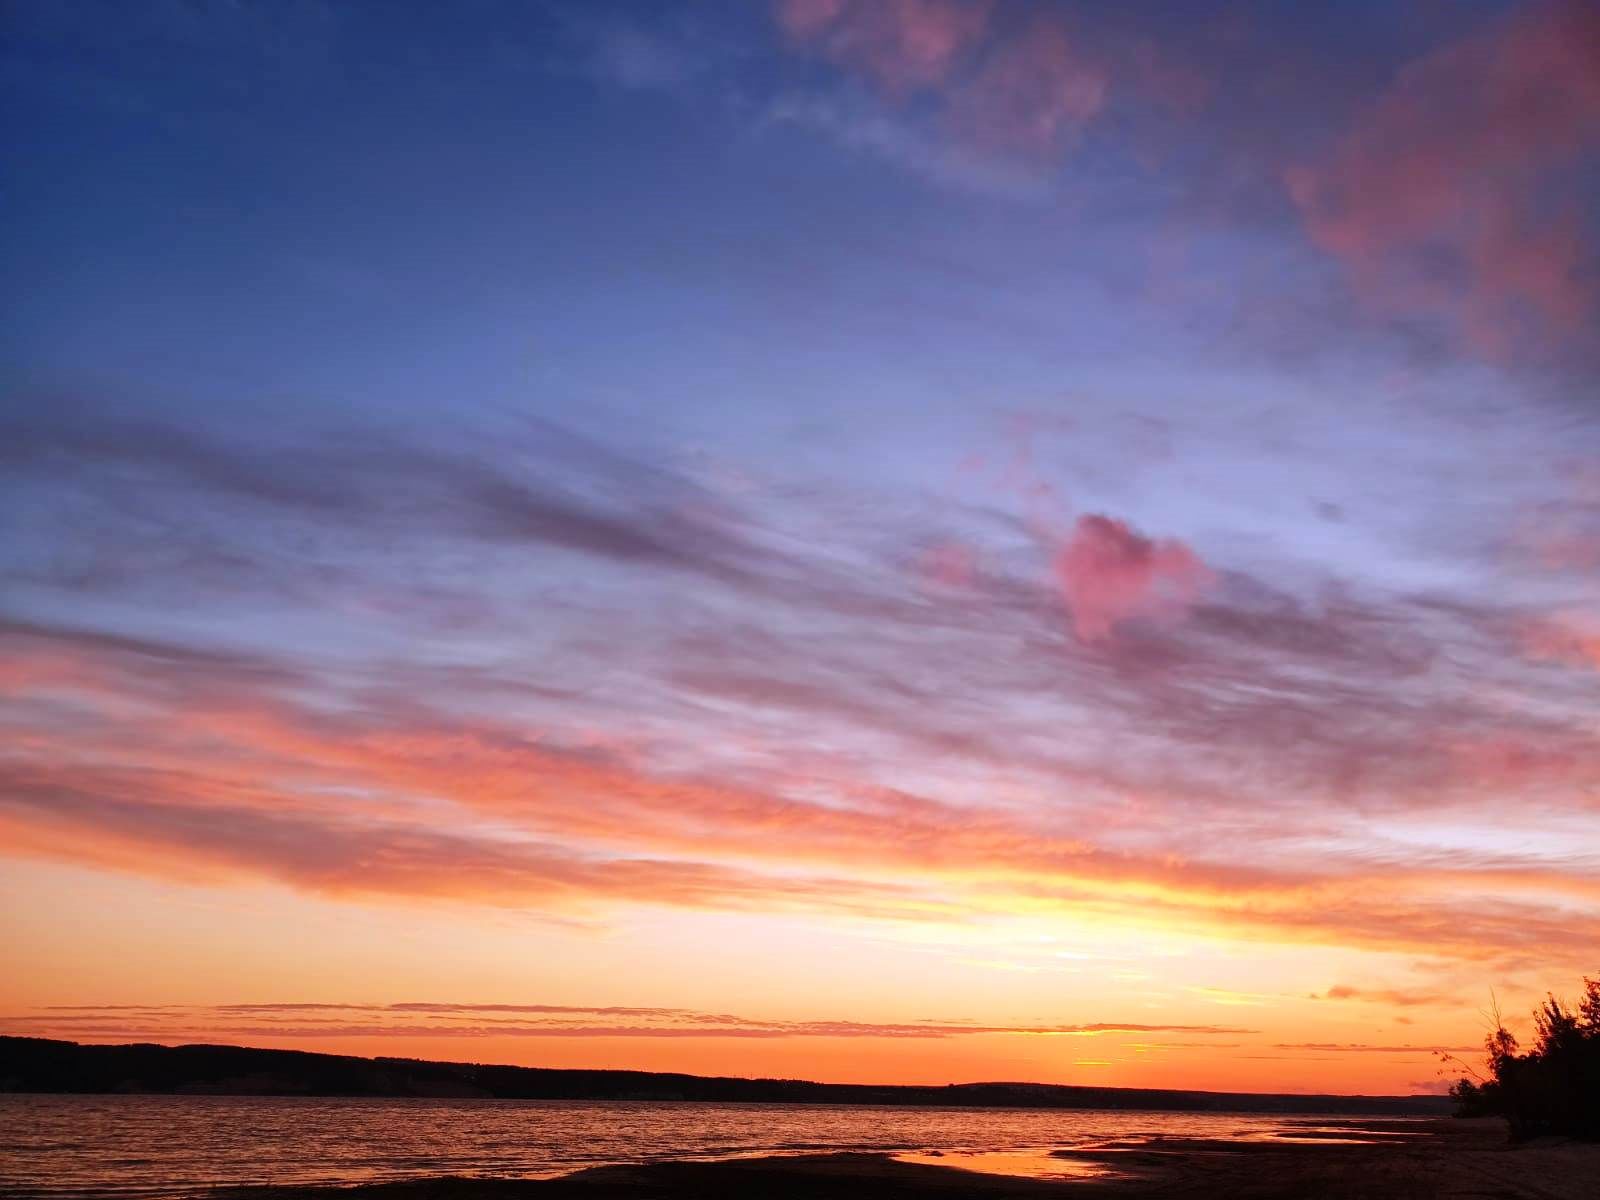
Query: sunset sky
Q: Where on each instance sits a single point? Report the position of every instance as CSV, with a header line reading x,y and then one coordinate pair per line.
x,y
875,540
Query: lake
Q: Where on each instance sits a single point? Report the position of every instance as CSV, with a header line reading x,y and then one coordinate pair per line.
x,y
170,1146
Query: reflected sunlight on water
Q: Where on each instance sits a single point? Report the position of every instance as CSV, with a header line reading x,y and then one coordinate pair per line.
x,y
168,1146
1028,1164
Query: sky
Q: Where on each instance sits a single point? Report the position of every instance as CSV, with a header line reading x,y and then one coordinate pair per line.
x,y
866,540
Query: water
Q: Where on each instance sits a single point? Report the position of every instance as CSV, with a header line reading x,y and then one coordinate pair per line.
x,y
173,1146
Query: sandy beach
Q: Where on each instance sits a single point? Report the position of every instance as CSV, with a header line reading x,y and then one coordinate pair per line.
x,y
1439,1160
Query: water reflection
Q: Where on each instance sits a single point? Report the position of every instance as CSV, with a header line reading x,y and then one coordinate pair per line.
x,y
1025,1164
168,1146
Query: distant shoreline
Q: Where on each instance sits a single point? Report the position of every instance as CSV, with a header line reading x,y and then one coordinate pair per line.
x,y
47,1065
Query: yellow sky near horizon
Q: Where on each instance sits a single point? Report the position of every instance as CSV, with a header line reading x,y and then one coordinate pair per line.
x,y
452,982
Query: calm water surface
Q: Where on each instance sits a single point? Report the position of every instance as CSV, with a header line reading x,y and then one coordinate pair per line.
x,y
171,1146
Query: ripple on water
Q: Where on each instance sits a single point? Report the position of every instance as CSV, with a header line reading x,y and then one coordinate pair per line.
x,y
160,1147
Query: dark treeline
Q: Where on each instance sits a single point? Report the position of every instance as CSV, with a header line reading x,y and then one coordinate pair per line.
x,y
42,1065
1554,1088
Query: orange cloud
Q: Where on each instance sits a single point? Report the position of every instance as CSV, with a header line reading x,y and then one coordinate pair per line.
x,y
1390,996
401,803
303,1020
1361,1048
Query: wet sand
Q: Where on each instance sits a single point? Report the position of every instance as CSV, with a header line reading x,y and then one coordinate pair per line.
x,y
1435,1160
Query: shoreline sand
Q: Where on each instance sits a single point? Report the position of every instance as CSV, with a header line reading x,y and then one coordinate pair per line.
x,y
1434,1160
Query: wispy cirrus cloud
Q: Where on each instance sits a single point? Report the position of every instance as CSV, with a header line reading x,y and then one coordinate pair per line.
x,y
1359,1048
609,754
398,1020
1571,638
238,792
1392,997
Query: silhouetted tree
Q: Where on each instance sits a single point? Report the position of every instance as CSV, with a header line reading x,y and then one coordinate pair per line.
x,y
1552,1089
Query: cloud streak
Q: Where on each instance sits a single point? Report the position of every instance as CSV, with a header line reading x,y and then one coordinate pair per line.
x,y
1178,712
397,1020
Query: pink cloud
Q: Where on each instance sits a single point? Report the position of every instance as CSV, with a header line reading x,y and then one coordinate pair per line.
x,y
1564,534
1567,552
1167,80
1446,196
949,564
1109,574
1023,92
1033,93
903,45
207,766
1571,640
1510,761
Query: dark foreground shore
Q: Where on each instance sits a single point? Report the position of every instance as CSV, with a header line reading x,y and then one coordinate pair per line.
x,y
1410,1161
